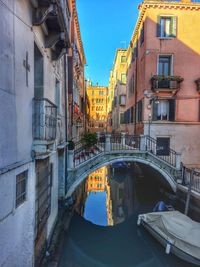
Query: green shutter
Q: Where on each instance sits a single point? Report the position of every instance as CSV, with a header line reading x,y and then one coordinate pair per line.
x,y
155,110
158,26
173,26
172,109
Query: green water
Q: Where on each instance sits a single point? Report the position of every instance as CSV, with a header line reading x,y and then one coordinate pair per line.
x,y
123,244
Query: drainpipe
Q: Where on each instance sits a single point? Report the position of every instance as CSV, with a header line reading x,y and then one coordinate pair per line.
x,y
66,122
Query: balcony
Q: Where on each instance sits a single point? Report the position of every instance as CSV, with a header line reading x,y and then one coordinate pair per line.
x,y
54,16
44,120
166,83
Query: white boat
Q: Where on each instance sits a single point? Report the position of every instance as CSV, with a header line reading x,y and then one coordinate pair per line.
x,y
178,233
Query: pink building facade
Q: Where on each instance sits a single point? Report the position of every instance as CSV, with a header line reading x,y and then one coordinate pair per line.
x,y
163,100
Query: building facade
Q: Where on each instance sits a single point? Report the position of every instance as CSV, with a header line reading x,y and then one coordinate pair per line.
x,y
162,78
119,100
33,95
117,91
97,107
77,92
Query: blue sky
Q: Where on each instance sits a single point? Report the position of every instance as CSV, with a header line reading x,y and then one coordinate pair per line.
x,y
105,26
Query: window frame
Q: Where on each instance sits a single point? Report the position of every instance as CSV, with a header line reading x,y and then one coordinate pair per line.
x,y
159,26
171,63
22,195
121,61
123,75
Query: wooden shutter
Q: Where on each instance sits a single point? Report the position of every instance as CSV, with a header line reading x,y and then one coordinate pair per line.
x,y
158,26
172,109
155,111
173,26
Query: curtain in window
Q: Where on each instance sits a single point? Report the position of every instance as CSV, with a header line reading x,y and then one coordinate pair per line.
x,y
163,109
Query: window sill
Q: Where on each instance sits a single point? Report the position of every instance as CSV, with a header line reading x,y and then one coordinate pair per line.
x,y
166,38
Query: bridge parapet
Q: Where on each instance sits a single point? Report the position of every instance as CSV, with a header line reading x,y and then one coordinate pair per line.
x,y
108,143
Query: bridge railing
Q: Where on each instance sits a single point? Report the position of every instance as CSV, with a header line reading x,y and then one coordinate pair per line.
x,y
123,142
191,176
168,155
84,153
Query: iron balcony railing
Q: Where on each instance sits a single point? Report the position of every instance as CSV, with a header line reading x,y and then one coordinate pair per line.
x,y
44,119
160,83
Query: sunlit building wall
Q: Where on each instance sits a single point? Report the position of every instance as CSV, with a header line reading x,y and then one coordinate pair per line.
x,y
97,107
117,90
163,62
97,181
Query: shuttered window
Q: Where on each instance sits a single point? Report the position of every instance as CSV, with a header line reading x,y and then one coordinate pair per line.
x,y
131,86
142,35
167,26
122,120
139,111
135,52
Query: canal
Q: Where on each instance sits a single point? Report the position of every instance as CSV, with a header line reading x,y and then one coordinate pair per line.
x,y
103,229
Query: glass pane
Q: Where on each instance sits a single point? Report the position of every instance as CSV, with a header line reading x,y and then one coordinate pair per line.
x,y
162,27
167,27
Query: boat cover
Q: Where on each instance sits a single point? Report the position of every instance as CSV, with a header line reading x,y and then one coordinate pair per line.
x,y
178,229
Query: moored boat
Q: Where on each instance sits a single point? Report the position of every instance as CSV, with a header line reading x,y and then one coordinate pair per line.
x,y
178,233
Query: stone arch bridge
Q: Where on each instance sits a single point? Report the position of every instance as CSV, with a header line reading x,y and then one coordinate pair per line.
x,y
121,147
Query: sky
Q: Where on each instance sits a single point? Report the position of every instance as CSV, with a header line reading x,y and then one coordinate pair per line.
x,y
105,26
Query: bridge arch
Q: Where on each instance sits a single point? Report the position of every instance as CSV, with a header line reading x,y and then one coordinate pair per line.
x,y
76,177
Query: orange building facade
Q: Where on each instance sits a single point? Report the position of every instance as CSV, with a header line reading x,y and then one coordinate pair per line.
x,y
163,63
97,107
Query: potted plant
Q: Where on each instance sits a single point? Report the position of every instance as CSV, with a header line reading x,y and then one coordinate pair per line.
x,y
89,139
71,145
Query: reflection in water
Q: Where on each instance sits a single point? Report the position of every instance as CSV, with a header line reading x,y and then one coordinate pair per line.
x,y
114,196
116,191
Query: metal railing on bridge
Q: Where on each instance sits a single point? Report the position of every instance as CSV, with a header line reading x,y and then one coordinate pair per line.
x,y
122,142
191,176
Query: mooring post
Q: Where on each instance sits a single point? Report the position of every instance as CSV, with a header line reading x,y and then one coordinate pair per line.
x,y
189,192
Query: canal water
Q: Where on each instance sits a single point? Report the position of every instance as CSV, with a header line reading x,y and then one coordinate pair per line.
x,y
104,231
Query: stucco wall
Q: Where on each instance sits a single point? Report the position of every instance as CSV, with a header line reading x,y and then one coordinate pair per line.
x,y
184,138
17,224
15,95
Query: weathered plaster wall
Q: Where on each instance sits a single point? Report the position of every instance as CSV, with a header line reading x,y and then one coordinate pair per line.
x,y
17,224
184,138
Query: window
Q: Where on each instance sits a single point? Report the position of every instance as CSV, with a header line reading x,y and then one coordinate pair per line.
x,y
163,146
164,110
164,65
134,52
21,188
132,115
131,86
142,35
123,78
122,100
122,121
123,59
92,92
139,111
166,26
